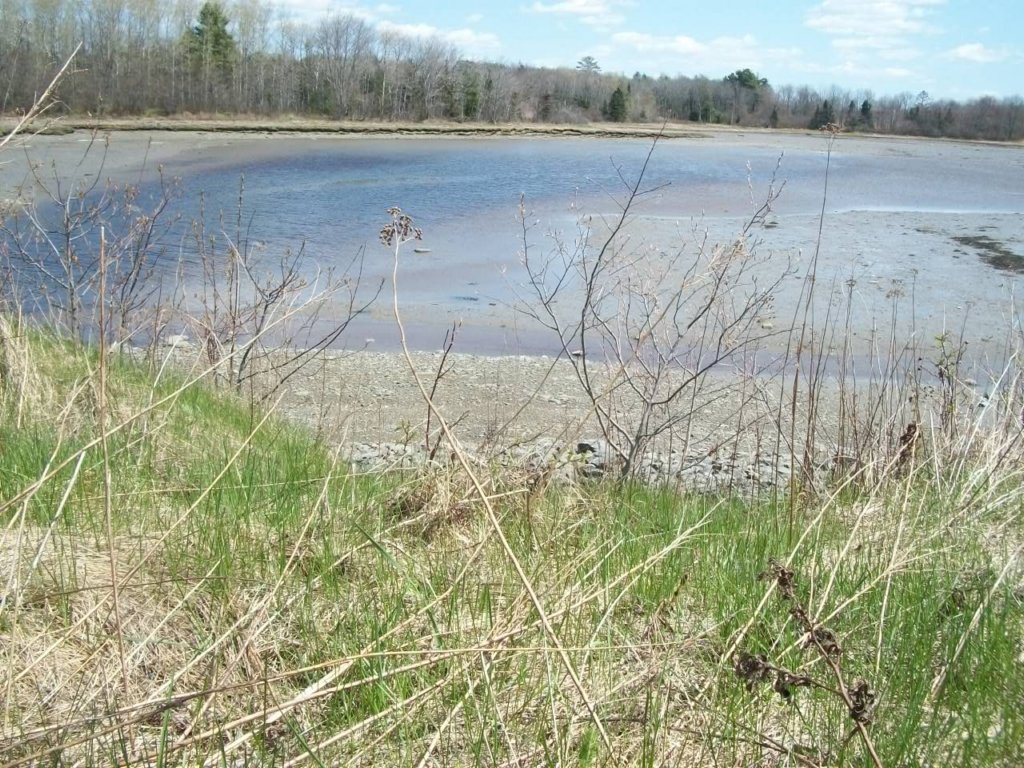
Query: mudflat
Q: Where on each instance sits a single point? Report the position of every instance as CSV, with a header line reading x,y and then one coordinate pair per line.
x,y
889,276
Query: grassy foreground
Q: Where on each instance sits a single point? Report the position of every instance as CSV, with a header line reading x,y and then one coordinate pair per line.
x,y
186,580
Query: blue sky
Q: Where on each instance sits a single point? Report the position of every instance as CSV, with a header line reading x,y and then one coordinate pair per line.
x,y
950,48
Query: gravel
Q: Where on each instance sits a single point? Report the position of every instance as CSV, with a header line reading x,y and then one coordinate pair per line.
x,y
532,412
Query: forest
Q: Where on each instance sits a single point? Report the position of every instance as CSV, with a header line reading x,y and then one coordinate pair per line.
x,y
153,58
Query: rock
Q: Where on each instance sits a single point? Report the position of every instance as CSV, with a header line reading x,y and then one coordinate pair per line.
x,y
378,457
598,457
177,340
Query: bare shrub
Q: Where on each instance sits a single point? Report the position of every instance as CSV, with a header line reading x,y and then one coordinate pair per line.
x,y
244,292
644,327
50,245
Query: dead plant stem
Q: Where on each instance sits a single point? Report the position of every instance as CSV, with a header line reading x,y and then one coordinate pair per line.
x,y
108,511
492,516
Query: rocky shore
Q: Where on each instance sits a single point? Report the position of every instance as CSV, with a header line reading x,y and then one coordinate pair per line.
x,y
531,412
593,458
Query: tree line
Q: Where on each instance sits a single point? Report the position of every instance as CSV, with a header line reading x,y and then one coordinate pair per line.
x,y
153,57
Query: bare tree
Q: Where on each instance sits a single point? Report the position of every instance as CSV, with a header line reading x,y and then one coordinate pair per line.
x,y
341,45
252,26
52,244
430,62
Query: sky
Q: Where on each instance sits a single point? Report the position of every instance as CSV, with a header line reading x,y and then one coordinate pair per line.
x,y
956,49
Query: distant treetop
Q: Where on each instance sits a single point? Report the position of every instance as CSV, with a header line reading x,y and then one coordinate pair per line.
x,y
745,78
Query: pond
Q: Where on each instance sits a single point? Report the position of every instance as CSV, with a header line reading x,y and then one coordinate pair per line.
x,y
932,226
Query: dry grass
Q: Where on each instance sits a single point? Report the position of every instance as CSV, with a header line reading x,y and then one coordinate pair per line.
x,y
274,609
188,579
304,124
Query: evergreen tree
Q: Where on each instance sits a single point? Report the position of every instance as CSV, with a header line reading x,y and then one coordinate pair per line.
x,y
617,109
470,95
828,115
865,114
211,52
745,81
209,43
546,106
823,115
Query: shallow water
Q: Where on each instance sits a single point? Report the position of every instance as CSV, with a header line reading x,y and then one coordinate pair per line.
x,y
892,215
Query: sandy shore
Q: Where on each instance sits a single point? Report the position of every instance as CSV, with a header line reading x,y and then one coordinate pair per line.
x,y
733,431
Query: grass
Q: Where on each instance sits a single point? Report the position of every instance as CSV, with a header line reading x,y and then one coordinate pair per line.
x,y
276,609
306,124
52,129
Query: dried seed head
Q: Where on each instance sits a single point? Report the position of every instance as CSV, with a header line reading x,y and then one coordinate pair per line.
x,y
400,229
782,576
785,682
752,669
862,702
825,639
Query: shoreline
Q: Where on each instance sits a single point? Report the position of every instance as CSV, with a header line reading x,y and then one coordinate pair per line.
x,y
297,126
371,397
733,431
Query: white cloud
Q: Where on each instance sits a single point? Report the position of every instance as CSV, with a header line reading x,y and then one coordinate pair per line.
x,y
595,13
866,32
684,54
468,41
473,43
680,45
312,10
872,18
880,47
977,53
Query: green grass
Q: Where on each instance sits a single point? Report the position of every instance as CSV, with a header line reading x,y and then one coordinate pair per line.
x,y
276,609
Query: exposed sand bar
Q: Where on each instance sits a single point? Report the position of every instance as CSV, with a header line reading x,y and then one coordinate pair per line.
x,y
342,127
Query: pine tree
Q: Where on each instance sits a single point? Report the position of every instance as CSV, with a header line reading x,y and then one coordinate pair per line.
x,y
211,52
209,44
865,114
823,115
617,108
